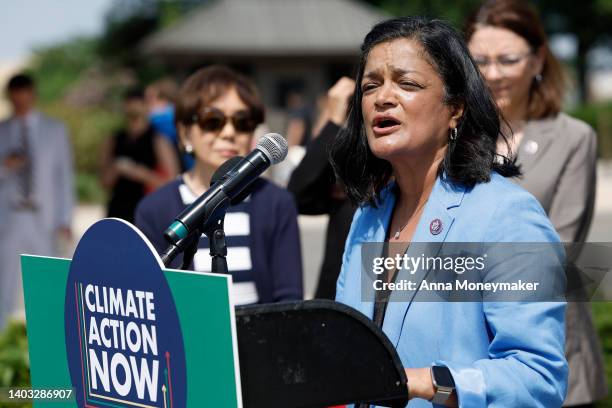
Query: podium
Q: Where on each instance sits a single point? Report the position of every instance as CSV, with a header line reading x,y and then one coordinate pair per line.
x,y
315,353
119,329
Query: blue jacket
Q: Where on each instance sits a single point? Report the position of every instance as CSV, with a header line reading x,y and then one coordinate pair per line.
x,y
500,354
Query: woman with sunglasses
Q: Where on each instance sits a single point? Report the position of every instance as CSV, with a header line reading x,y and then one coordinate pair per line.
x,y
217,111
557,153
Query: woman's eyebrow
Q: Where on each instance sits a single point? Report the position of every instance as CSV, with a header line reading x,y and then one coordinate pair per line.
x,y
394,70
501,52
403,71
372,75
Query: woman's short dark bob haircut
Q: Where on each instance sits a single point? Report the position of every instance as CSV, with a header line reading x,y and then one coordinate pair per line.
x,y
470,159
207,84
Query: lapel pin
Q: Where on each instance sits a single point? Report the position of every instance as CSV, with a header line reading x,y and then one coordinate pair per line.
x,y
531,147
435,227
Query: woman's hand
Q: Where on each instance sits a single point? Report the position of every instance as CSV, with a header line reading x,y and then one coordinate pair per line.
x,y
131,170
15,161
338,98
420,385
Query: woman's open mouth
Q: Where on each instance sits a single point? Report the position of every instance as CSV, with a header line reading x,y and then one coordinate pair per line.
x,y
385,125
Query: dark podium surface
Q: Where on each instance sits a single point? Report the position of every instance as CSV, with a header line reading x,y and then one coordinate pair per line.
x,y
315,353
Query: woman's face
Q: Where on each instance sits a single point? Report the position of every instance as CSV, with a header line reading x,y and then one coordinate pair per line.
x,y
211,146
508,64
403,105
137,120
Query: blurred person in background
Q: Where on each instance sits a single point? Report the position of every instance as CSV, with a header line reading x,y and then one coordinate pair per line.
x,y
136,160
298,133
36,189
160,97
316,191
217,112
556,152
299,125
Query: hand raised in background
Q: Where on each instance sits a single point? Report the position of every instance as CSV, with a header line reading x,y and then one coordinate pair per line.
x,y
338,98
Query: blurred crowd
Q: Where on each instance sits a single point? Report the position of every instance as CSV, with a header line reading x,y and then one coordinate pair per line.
x,y
175,136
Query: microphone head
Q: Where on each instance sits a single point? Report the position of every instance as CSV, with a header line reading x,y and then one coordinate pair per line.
x,y
274,146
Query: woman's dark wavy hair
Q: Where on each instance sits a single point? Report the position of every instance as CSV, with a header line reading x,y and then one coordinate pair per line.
x,y
470,159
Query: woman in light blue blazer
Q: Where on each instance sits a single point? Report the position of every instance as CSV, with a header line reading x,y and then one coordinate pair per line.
x,y
419,157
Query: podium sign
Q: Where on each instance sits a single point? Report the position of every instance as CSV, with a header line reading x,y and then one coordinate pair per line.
x,y
121,330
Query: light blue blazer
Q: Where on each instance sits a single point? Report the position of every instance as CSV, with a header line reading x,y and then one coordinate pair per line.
x,y
501,354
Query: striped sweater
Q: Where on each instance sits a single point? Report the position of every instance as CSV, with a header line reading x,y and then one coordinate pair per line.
x,y
263,247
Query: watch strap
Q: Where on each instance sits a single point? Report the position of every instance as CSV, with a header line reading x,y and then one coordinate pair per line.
x,y
442,395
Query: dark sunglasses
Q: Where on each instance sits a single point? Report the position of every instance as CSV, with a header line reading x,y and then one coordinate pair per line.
x,y
213,120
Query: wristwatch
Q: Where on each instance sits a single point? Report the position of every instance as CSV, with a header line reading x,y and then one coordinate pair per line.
x,y
443,384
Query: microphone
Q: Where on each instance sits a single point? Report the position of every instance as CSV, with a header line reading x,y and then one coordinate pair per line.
x,y
210,206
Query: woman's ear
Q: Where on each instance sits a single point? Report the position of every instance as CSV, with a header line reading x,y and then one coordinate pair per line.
x,y
183,138
457,114
539,56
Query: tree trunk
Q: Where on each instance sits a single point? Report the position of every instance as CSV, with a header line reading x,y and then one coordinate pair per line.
x,y
581,71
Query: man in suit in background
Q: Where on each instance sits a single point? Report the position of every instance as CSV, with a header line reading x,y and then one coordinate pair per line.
x,y
36,189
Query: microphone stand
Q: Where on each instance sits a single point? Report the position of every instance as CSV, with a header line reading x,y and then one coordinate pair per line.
x,y
218,246
190,251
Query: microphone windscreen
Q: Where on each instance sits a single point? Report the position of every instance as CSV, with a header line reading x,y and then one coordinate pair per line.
x,y
274,146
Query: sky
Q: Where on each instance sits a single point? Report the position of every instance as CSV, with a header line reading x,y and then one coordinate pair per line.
x,y
28,23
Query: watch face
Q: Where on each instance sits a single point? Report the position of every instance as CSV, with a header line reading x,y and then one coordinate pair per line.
x,y
443,377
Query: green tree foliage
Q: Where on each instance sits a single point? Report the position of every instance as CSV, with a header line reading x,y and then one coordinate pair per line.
x,y
590,20
58,70
59,66
599,116
602,315
14,360
88,128
129,22
453,11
